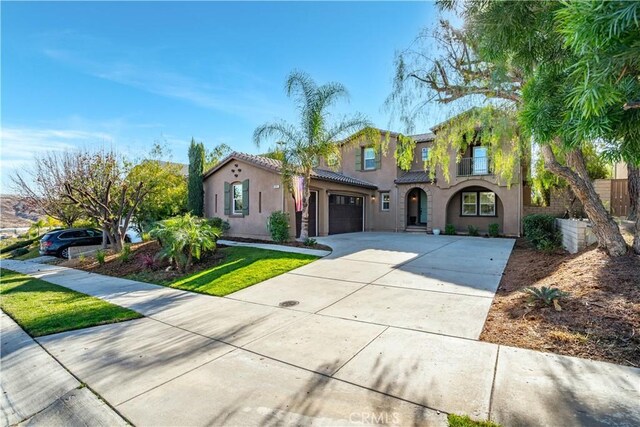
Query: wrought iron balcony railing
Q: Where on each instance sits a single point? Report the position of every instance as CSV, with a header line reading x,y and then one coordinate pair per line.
x,y
471,166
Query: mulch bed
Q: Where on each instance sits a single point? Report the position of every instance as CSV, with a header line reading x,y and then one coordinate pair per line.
x,y
600,319
294,243
158,272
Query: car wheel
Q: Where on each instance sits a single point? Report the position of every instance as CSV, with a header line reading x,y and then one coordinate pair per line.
x,y
64,253
127,239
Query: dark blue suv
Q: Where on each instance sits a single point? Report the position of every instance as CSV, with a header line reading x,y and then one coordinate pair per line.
x,y
58,242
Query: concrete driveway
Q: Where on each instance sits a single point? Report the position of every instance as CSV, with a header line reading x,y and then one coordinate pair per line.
x,y
384,332
439,284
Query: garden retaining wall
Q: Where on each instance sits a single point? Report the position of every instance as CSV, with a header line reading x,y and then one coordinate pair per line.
x,y
576,234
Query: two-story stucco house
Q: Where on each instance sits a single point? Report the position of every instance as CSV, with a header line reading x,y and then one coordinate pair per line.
x,y
367,192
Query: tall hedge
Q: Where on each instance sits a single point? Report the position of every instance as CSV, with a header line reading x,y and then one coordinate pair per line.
x,y
195,197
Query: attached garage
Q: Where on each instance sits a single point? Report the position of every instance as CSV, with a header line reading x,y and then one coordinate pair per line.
x,y
346,214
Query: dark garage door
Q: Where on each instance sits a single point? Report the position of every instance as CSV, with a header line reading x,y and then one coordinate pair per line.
x,y
345,214
313,208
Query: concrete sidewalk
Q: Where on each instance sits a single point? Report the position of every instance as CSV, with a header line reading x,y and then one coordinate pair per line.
x,y
37,390
332,359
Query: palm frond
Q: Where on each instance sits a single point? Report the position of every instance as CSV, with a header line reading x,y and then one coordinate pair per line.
x,y
283,131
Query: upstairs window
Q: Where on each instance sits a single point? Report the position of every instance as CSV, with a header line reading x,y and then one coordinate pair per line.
x,y
369,158
425,154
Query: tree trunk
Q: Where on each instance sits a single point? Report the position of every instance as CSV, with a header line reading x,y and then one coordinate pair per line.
x,y
604,227
633,184
306,194
105,236
636,238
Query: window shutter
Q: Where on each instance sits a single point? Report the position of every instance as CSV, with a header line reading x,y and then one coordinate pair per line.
x,y
359,159
378,159
245,197
227,198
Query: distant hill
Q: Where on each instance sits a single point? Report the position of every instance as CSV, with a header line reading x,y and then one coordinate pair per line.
x,y
14,212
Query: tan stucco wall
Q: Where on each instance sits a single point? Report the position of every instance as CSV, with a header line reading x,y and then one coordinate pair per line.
x,y
263,184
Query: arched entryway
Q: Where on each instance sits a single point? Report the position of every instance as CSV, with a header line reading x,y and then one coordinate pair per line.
x,y
416,208
477,207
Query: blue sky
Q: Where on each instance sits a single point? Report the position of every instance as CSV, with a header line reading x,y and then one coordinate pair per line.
x,y
126,74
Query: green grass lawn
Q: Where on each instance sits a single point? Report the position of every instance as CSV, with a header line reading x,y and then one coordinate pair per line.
x,y
241,267
464,421
42,308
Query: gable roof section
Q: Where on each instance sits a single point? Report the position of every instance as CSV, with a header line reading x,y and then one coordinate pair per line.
x,y
260,161
423,137
275,166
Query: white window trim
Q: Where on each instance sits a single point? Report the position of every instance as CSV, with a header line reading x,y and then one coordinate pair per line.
x,y
382,201
234,211
365,158
480,204
463,204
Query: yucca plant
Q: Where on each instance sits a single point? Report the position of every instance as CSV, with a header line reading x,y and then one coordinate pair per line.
x,y
544,294
184,238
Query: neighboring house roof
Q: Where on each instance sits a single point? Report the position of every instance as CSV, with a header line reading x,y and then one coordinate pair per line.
x,y
423,137
276,166
413,178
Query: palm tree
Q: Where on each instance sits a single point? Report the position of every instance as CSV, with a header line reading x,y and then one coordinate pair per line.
x,y
315,138
37,226
184,238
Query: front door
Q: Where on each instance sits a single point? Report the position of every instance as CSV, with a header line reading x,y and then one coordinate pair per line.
x,y
423,207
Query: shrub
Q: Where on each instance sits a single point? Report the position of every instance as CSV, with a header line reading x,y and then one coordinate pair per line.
x,y
147,261
494,230
101,255
540,230
473,231
543,294
310,241
220,223
19,252
450,230
18,244
82,257
185,238
125,254
278,226
145,236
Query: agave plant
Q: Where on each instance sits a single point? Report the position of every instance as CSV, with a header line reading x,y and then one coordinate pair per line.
x,y
544,294
184,238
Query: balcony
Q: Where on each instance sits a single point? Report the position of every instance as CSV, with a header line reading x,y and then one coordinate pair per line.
x,y
474,166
